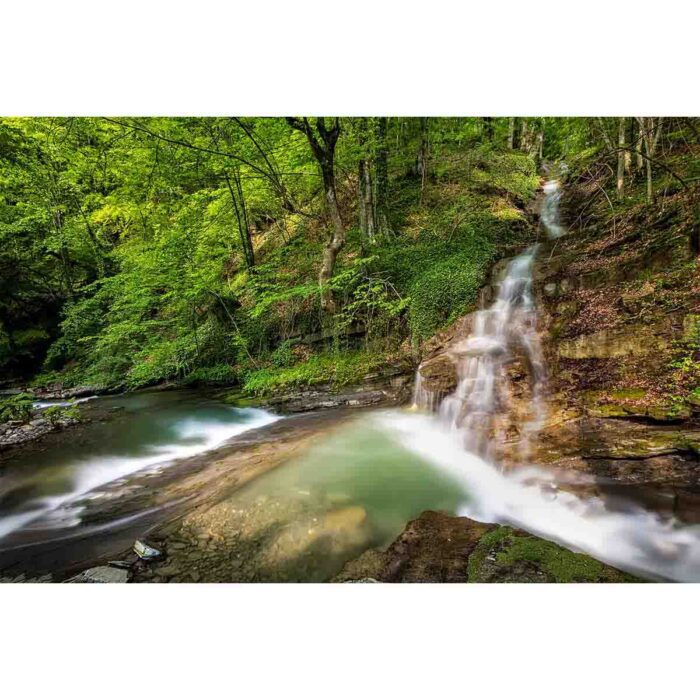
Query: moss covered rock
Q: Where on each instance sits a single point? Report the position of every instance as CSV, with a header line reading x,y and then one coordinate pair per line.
x,y
504,555
441,548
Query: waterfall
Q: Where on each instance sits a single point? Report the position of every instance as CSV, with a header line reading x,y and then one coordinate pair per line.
x,y
505,331
483,408
550,209
423,399
538,500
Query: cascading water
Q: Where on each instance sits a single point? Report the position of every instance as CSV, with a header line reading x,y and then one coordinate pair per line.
x,y
550,209
503,334
529,497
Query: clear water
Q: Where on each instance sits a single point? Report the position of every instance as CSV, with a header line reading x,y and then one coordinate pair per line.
x,y
146,431
356,488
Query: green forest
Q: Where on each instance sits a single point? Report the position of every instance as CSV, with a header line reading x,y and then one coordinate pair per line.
x,y
264,253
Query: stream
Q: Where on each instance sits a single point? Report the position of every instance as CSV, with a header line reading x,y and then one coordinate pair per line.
x,y
42,489
358,484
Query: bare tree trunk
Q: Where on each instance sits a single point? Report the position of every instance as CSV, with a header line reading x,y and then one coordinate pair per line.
x,y
323,149
381,180
511,133
366,206
621,154
629,131
524,135
604,133
424,154
241,212
640,145
650,131
488,127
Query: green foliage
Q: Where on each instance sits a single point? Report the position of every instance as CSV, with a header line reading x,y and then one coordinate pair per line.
x,y
335,369
124,255
686,364
16,407
446,290
58,414
218,374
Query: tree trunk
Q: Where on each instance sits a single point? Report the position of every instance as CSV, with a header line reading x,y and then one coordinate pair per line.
x,y
323,149
423,154
241,212
640,145
367,210
621,154
629,137
381,180
650,131
488,127
511,133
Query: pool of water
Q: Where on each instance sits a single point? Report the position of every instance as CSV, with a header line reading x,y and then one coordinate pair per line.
x,y
356,488
359,486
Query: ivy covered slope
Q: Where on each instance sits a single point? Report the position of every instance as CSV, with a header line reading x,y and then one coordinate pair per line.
x,y
265,253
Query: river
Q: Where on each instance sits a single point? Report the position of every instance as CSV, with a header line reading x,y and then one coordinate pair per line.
x,y
43,489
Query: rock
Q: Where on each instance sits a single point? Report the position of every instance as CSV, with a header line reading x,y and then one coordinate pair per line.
x,y
440,548
344,519
439,374
169,570
633,340
101,574
505,555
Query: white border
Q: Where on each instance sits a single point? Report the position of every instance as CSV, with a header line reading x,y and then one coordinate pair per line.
x,y
427,57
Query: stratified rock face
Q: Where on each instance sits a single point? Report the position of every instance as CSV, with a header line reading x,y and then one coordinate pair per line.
x,y
634,340
440,548
390,387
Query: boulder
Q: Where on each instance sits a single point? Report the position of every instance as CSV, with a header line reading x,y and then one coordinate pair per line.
x,y
440,548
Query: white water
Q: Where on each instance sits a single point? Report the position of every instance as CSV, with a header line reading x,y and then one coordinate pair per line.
x,y
463,440
506,329
54,489
550,209
67,402
636,540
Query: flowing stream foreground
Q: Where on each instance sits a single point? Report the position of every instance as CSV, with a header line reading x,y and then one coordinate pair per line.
x,y
356,485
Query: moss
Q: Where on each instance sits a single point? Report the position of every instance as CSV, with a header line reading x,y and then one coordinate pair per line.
x,y
336,369
508,549
237,398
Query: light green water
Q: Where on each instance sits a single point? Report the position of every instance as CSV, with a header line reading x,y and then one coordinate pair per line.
x,y
355,489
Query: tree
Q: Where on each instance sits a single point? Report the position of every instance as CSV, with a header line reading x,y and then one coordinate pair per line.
x,y
512,129
423,159
622,154
650,130
366,204
322,141
382,179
